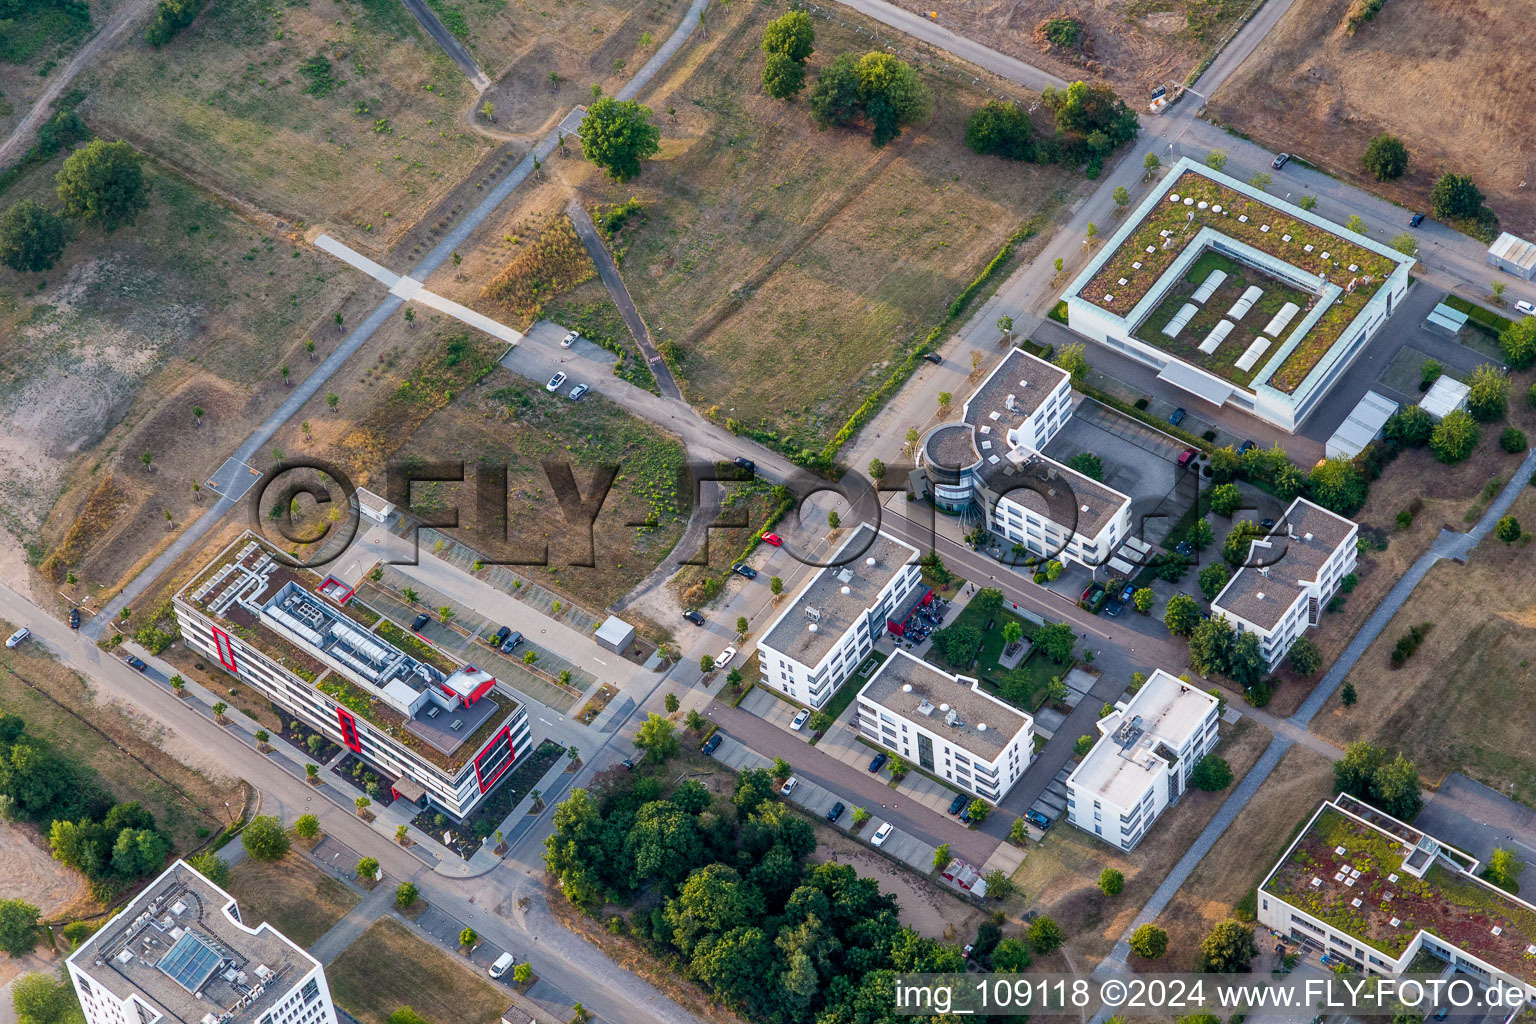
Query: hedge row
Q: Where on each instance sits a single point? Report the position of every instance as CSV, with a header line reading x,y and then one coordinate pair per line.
x,y
1487,317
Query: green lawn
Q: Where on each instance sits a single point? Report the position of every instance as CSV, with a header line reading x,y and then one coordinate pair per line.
x,y
851,687
1037,670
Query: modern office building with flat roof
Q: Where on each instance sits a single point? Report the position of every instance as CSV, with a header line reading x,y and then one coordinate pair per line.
x,y
1141,764
179,953
1235,296
948,725
1289,577
1361,886
443,732
989,466
821,636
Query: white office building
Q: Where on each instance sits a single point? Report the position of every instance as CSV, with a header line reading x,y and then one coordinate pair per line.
x,y
1141,764
180,953
1288,577
442,732
947,725
989,465
822,635
1363,887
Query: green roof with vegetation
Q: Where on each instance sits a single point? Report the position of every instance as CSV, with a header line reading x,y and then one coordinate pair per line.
x,y
1175,218
1458,909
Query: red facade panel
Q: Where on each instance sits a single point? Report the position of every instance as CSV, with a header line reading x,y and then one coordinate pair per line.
x,y
492,753
349,730
226,650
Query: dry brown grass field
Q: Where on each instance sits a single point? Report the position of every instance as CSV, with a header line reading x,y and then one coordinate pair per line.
x,y
34,48
1060,875
789,267
1134,44
331,112
1243,855
390,967
1445,495
1446,76
297,898
106,356
1461,703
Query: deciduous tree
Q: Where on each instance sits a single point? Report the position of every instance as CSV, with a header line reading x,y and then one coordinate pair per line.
x,y
618,135
102,183
32,238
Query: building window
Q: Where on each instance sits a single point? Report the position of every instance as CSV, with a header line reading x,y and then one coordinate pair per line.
x,y
310,991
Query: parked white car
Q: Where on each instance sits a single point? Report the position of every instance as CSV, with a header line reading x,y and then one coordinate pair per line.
x,y
800,720
725,657
569,340
789,786
18,636
555,382
503,964
882,834
1525,308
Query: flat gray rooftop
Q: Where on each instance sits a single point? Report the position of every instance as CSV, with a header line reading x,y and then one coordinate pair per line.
x,y
1300,543
1056,491
836,611
177,948
1028,379
984,727
951,447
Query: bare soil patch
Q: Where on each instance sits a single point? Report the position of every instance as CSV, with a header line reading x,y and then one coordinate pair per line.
x,y
1060,875
925,907
33,875
1243,855
1446,76
1460,703
1134,44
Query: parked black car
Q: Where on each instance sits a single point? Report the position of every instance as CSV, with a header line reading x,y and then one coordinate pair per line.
x,y
711,743
1416,220
745,463
877,762
137,663
510,643
1177,417
933,357
74,618
743,569
1037,819
957,803
419,621
836,811
1280,161
693,617
500,635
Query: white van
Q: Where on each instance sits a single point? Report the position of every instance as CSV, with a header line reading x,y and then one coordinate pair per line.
x,y
18,636
502,965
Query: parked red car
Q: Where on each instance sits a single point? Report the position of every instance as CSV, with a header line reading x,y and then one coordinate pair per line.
x,y
1189,453
773,538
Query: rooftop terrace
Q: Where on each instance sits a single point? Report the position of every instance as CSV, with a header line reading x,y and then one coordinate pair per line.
x,y
178,946
314,627
1381,883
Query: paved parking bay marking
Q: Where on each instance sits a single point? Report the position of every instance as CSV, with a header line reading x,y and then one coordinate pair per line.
x,y
233,479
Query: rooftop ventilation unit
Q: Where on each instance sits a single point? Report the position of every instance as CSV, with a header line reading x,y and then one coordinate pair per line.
x,y
981,726
870,561
812,627
813,613
906,687
456,724
845,591
1011,402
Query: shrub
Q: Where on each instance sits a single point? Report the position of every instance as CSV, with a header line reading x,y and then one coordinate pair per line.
x,y
1518,343
212,867
32,238
1454,437
1507,529
264,838
1228,949
1408,643
1488,397
1111,882
1001,129
1149,942
1454,196
554,262
367,867
1045,935
1212,774
1226,499
406,894
171,16
1386,157
1082,745
307,826
1305,658
1512,440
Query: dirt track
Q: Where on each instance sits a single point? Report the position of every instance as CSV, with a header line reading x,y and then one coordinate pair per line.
x,y
1449,77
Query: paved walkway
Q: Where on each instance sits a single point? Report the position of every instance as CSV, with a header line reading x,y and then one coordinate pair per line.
x,y
614,282
455,50
349,929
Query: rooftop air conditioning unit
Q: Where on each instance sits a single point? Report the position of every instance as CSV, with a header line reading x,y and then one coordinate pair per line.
x,y
458,723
